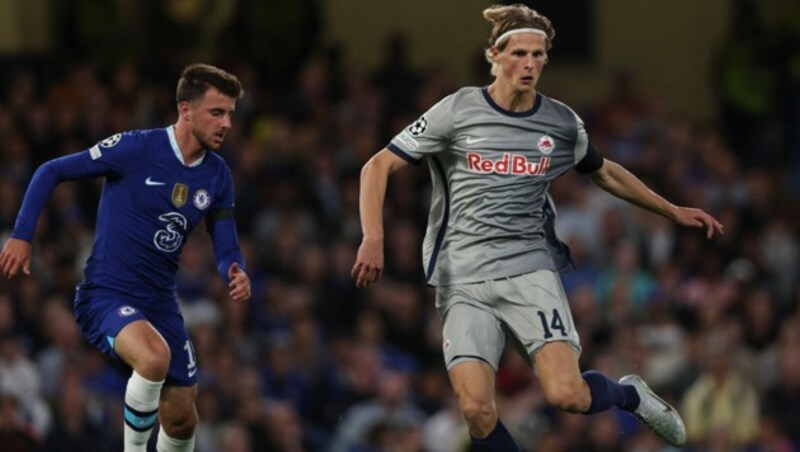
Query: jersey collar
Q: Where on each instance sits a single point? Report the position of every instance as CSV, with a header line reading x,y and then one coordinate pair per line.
x,y
517,114
177,151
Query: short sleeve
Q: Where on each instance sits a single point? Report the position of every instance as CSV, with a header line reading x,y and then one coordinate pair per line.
x,y
581,140
430,134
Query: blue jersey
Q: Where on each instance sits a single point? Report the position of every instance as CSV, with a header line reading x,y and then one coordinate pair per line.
x,y
150,203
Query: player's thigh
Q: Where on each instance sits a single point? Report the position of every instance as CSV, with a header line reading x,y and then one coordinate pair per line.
x,y
471,331
535,311
102,317
183,364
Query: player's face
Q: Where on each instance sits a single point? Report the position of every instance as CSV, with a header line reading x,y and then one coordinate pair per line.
x,y
522,61
210,117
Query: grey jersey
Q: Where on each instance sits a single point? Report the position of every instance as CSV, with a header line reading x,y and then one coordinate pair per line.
x,y
490,213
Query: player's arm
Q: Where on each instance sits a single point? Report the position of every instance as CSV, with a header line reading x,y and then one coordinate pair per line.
x,y
221,226
374,177
230,263
16,252
428,135
618,181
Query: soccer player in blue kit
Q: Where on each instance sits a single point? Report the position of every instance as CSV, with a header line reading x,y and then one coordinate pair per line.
x,y
160,184
490,248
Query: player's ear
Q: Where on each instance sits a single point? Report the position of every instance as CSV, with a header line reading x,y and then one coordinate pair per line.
x,y
491,54
184,109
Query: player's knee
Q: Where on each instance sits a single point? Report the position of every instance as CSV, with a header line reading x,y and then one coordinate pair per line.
x,y
480,415
155,362
182,425
567,397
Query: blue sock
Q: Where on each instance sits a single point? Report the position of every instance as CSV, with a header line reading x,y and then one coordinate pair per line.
x,y
498,440
607,393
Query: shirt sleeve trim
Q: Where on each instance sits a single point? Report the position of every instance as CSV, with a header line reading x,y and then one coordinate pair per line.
x,y
402,154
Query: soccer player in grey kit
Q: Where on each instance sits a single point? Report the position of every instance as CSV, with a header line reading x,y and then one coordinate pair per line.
x,y
490,249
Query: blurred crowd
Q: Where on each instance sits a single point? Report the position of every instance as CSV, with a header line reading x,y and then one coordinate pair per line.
x,y
311,363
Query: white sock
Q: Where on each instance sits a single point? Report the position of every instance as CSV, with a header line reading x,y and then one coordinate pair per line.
x,y
167,443
141,411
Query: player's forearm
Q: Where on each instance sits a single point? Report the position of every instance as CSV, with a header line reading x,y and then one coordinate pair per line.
x,y
226,258
226,246
618,181
69,167
44,181
374,176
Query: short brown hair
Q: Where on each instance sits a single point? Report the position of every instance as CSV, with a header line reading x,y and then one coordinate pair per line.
x,y
511,17
198,78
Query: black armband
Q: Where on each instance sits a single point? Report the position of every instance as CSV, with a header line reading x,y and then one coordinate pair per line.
x,y
591,162
219,214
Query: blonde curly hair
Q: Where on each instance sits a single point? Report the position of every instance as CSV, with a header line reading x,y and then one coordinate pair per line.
x,y
505,18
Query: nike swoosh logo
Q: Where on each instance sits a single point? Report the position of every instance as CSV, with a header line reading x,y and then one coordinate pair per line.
x,y
149,181
471,140
192,372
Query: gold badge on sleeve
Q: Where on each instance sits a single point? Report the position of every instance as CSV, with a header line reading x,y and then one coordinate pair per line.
x,y
180,194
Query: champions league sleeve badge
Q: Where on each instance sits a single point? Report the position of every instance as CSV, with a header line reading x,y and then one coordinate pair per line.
x,y
111,141
419,127
95,152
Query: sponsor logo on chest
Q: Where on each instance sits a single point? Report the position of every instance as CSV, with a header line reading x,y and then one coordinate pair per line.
x,y
514,164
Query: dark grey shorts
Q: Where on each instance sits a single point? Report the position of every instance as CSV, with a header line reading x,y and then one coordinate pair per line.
x,y
530,309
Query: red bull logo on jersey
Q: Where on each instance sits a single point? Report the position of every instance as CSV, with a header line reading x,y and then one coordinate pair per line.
x,y
546,144
515,164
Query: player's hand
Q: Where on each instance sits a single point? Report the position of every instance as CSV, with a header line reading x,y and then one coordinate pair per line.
x,y
240,283
686,216
16,254
369,263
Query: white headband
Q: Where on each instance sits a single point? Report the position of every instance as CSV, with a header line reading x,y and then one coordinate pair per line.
x,y
505,35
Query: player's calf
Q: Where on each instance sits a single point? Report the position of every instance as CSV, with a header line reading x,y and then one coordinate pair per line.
x,y
567,395
169,443
179,426
141,411
178,418
606,393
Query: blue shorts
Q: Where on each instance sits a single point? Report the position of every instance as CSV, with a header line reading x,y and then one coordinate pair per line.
x,y
102,315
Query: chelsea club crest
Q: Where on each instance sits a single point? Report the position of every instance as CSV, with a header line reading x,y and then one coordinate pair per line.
x,y
201,199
